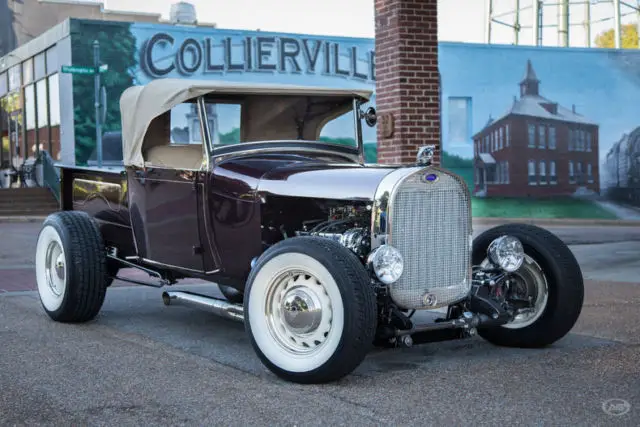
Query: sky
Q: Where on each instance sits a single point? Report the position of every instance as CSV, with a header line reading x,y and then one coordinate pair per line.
x,y
458,20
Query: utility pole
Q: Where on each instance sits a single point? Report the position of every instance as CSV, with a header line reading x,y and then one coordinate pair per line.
x,y
616,23
587,23
638,18
537,36
563,23
488,20
516,24
96,79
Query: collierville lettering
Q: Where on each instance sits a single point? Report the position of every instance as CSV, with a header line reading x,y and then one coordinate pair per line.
x,y
259,54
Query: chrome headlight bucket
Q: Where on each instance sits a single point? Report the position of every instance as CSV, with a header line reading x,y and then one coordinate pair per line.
x,y
507,253
387,264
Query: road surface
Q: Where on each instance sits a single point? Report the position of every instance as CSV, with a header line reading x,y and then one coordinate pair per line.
x,y
141,363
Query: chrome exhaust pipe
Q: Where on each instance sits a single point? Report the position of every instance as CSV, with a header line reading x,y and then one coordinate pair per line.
x,y
216,306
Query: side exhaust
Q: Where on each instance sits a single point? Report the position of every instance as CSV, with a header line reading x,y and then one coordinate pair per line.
x,y
217,306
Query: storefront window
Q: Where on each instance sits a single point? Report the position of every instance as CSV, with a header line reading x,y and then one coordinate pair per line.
x,y
54,100
30,106
4,135
30,119
27,71
15,77
43,110
43,115
40,68
52,59
4,86
54,117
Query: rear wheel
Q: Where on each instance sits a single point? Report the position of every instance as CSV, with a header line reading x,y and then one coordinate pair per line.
x,y
310,310
550,277
71,267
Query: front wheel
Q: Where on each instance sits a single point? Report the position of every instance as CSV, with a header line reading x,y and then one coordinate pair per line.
x,y
550,277
310,310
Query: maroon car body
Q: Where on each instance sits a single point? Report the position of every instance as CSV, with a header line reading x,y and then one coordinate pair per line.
x,y
215,231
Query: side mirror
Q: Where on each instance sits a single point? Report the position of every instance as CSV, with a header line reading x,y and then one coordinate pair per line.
x,y
370,117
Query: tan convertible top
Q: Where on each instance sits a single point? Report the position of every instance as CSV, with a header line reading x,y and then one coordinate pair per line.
x,y
140,105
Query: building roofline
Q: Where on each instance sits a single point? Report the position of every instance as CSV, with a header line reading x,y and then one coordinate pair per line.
x,y
36,45
103,9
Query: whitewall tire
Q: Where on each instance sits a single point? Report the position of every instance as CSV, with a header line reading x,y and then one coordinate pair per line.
x,y
70,267
310,310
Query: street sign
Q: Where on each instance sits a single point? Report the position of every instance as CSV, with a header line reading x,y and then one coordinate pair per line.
x,y
75,69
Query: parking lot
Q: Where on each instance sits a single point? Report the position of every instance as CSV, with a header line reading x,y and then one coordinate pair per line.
x,y
141,363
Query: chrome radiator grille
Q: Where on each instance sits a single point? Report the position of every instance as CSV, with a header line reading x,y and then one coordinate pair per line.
x,y
431,226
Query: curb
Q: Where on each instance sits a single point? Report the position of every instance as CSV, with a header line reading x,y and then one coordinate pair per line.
x,y
22,219
557,221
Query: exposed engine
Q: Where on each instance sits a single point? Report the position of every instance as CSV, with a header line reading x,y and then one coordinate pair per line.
x,y
345,222
348,225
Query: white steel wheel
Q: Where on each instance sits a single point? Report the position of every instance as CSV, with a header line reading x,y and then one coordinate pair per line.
x,y
71,267
51,268
310,310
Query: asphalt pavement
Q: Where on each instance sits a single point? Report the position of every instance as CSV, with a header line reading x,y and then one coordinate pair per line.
x,y
141,363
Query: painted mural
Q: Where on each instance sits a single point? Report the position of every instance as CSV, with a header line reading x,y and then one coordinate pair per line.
x,y
543,132
138,53
535,132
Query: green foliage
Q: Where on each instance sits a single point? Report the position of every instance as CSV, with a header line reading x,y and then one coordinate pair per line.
x,y
451,161
232,137
371,153
552,207
342,141
118,50
628,39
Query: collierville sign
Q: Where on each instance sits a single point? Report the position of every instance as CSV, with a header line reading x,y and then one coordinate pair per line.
x,y
254,54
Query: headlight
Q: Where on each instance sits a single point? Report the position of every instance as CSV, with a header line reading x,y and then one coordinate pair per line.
x,y
507,253
387,263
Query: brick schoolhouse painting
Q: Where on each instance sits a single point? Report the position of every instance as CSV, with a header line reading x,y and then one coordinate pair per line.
x,y
543,132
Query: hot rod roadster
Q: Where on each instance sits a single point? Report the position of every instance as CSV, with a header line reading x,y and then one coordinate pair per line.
x,y
321,255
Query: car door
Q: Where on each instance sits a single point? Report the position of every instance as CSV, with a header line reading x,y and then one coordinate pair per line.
x,y
166,218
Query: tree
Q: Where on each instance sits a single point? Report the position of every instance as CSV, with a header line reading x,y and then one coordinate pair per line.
x,y
118,50
628,39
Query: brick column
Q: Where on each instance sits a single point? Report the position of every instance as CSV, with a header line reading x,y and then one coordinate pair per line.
x,y
407,78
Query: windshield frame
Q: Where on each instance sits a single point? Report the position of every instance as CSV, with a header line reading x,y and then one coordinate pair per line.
x,y
348,151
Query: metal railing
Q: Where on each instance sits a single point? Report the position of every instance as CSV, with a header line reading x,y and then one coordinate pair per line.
x,y
50,174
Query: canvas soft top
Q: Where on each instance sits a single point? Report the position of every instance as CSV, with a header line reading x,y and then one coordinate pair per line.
x,y
140,105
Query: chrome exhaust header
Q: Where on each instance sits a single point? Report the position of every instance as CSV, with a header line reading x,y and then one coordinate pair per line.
x,y
216,306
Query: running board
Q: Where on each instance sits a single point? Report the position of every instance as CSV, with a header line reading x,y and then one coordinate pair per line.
x,y
217,306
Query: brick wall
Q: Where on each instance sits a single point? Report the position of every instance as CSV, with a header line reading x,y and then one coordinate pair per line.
x,y
407,78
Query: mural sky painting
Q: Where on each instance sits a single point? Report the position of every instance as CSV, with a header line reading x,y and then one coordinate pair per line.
x,y
479,83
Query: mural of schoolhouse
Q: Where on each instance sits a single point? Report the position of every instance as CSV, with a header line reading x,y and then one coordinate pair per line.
x,y
543,132
541,140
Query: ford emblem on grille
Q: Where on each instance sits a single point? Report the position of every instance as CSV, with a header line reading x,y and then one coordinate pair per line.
x,y
431,177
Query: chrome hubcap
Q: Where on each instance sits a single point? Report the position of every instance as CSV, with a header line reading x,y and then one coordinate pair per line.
x,y
534,283
55,268
299,312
